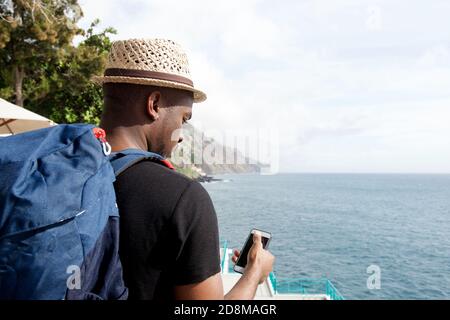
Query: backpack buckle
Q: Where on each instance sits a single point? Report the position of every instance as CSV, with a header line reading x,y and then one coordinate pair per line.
x,y
100,134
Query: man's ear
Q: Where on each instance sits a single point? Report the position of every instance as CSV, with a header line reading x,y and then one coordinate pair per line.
x,y
153,105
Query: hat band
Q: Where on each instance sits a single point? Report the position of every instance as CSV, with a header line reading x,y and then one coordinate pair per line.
x,y
147,74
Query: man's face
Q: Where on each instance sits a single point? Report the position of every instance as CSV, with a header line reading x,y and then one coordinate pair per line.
x,y
171,127
176,110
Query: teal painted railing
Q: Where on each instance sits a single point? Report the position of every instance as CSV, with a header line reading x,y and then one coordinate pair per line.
x,y
224,246
292,285
332,292
273,281
307,286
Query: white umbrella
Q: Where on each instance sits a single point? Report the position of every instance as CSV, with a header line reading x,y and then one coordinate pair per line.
x,y
15,119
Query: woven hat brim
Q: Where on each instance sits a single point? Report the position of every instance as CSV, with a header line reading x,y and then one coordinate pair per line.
x,y
199,96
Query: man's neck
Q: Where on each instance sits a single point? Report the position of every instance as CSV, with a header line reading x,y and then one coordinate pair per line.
x,y
121,138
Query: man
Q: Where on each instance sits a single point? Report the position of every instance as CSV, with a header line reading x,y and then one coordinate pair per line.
x,y
169,235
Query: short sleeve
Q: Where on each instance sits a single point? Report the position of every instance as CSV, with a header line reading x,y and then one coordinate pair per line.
x,y
196,236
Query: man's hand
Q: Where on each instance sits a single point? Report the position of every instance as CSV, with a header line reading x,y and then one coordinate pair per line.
x,y
235,257
259,265
259,260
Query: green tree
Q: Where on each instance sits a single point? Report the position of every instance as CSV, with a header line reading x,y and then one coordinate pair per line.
x,y
34,33
71,95
40,66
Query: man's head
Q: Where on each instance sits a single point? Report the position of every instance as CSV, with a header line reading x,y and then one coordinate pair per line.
x,y
156,113
148,94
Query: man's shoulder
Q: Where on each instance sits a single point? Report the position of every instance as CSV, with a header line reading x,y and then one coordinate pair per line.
x,y
150,167
153,174
151,186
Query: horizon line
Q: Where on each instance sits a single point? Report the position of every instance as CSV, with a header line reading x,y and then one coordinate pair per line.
x,y
324,172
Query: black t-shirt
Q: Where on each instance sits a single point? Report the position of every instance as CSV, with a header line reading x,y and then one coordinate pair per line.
x,y
168,231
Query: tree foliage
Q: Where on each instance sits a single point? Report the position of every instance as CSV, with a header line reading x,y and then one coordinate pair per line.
x,y
42,69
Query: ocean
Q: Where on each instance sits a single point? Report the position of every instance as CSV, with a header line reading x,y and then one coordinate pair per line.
x,y
337,225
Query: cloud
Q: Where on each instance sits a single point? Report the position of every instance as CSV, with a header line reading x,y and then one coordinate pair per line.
x,y
437,56
350,85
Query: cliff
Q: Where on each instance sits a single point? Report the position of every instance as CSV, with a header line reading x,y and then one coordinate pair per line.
x,y
199,156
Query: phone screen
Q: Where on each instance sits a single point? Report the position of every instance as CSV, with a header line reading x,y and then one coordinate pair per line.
x,y
242,261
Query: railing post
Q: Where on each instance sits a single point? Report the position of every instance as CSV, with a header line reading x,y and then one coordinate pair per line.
x,y
273,281
224,263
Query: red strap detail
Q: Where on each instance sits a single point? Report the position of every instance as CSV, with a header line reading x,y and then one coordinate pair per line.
x,y
167,164
100,134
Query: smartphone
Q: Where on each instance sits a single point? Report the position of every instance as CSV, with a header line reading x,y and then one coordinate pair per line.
x,y
241,263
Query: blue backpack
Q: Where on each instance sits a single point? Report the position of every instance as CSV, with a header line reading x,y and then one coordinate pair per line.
x,y
59,221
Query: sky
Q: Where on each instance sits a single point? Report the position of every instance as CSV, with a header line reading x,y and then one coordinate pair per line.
x,y
350,86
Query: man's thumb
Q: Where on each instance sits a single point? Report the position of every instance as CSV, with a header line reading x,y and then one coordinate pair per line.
x,y
257,238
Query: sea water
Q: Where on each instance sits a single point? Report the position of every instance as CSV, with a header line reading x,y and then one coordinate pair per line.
x,y
345,226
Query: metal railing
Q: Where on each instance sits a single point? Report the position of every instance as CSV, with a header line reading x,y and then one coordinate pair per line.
x,y
333,293
224,246
273,282
306,286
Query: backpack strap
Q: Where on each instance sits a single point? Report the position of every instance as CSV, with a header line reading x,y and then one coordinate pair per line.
x,y
122,160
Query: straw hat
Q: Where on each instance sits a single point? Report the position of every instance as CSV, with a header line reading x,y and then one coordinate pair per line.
x,y
157,62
